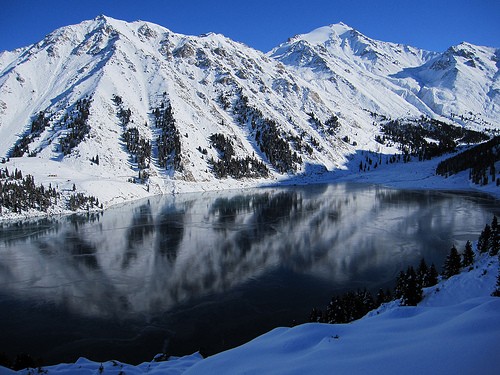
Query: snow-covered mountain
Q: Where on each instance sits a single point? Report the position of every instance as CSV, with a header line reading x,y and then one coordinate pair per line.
x,y
109,102
461,84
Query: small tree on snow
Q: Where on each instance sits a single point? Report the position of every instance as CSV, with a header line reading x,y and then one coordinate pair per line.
x,y
433,275
494,242
452,263
468,255
496,292
483,242
423,274
408,288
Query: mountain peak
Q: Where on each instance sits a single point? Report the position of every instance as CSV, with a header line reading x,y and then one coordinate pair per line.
x,y
323,34
212,86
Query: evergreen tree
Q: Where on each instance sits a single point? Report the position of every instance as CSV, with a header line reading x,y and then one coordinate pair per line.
x,y
382,297
494,242
484,239
496,292
400,288
433,275
413,292
452,263
423,274
316,316
468,255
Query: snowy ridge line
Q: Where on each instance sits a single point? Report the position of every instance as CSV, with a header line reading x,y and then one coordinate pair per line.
x,y
311,106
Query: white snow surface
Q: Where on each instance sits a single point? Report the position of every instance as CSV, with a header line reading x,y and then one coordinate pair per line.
x,y
454,330
334,70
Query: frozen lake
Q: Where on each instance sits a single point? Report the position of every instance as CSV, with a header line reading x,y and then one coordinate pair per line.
x,y
210,271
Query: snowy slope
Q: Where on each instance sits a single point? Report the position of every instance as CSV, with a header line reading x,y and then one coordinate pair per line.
x,y
457,316
398,80
454,330
217,86
147,65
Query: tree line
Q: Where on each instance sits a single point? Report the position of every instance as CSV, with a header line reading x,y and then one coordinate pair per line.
x,y
137,146
38,125
77,125
409,284
267,135
331,125
169,140
20,194
230,165
480,159
413,136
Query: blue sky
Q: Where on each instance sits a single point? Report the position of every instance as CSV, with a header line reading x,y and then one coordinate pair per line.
x,y
429,24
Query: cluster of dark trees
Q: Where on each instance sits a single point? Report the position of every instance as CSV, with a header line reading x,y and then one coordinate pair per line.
x,y
123,114
276,148
267,135
331,126
77,125
95,159
303,145
80,201
411,136
349,306
18,193
374,160
480,159
230,165
38,125
489,242
169,140
489,239
409,284
139,148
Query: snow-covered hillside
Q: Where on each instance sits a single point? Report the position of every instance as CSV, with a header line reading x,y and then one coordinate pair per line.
x,y
164,112
461,84
453,330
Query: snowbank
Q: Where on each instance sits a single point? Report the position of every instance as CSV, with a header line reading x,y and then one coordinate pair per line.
x,y
454,330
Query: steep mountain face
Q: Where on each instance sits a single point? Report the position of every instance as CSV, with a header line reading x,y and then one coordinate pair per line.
x,y
111,100
80,80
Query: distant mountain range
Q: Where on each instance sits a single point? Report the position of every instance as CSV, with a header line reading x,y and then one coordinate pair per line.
x,y
137,102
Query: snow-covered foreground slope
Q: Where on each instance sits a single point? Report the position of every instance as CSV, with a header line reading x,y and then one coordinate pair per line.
x,y
454,330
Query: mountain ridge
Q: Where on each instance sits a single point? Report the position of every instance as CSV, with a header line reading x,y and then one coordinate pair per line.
x,y
150,103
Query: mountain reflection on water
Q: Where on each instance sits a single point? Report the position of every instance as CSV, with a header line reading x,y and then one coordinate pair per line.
x,y
139,261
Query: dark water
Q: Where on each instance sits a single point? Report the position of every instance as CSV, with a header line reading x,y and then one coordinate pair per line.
x,y
210,271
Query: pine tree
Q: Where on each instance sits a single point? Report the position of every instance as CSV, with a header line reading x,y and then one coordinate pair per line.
x,y
423,273
496,292
494,242
484,239
433,275
400,287
468,255
413,292
316,316
452,263
381,297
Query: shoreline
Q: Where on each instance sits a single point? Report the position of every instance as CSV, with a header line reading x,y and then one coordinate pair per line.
x,y
414,175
